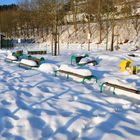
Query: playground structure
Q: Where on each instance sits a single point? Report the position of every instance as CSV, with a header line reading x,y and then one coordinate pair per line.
x,y
18,54
37,60
126,65
76,60
15,56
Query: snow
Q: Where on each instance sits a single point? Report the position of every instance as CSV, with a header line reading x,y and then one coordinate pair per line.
x,y
36,105
11,57
86,60
28,62
83,72
48,68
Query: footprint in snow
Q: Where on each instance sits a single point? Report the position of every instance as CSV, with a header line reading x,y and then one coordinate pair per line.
x,y
47,132
22,105
118,109
37,122
4,102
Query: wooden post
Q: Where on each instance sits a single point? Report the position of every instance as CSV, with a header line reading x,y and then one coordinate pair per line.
x,y
55,44
58,44
112,39
88,37
0,40
52,44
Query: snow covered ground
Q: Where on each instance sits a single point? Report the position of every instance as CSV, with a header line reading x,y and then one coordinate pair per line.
x,y
36,105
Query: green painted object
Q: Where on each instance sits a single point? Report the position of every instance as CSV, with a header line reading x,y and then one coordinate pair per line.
x,y
76,59
37,60
18,54
101,88
83,80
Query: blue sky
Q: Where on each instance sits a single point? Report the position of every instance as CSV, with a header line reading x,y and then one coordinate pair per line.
x,y
8,1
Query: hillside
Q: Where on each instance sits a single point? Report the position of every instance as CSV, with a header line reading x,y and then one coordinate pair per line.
x,y
125,32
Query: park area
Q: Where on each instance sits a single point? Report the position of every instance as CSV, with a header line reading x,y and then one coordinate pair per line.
x,y
38,104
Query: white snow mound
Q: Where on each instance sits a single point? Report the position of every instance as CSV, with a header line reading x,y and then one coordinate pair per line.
x,y
123,83
83,72
28,62
48,68
86,60
11,57
109,58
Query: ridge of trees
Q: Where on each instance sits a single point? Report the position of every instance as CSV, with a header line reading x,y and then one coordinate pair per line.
x,y
41,17
8,7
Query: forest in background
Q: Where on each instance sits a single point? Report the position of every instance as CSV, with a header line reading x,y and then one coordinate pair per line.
x,y
40,18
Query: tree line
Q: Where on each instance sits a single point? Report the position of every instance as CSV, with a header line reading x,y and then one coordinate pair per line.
x,y
39,18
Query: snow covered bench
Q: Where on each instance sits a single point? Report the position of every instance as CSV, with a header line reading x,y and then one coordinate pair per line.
x,y
31,62
28,64
119,87
84,74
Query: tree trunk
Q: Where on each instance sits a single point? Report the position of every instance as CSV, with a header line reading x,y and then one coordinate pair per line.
x,y
100,39
112,39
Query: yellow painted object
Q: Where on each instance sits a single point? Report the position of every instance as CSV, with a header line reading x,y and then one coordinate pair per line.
x,y
137,69
124,64
134,70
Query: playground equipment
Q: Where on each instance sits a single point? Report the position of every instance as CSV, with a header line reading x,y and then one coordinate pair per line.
x,y
37,60
134,70
18,54
126,65
76,59
15,56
